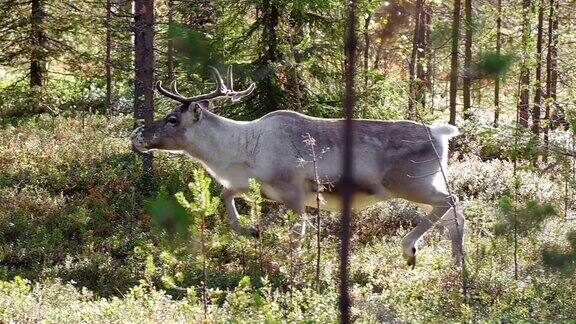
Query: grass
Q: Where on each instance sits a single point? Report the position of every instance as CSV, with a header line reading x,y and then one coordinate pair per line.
x,y
74,223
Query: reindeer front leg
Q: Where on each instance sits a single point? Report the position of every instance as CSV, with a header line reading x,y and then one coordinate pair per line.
x,y
228,196
293,198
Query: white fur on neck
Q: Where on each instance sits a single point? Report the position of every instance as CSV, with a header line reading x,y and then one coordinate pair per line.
x,y
219,144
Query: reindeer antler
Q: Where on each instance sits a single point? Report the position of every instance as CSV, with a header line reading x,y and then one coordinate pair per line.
x,y
221,91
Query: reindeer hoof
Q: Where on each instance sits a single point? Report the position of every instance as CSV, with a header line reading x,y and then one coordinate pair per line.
x,y
411,261
409,254
458,261
254,232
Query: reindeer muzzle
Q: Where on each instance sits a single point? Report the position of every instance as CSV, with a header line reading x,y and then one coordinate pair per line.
x,y
138,141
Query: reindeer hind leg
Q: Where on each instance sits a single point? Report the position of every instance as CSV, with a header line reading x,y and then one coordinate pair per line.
x,y
441,203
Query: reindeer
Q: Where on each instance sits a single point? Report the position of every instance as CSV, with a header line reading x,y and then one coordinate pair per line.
x,y
392,159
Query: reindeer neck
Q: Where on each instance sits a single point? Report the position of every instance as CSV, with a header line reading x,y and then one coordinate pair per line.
x,y
219,141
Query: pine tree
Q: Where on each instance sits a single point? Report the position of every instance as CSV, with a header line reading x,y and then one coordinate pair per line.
x,y
144,67
454,60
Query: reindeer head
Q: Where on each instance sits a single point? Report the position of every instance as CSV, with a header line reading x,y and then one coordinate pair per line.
x,y
170,133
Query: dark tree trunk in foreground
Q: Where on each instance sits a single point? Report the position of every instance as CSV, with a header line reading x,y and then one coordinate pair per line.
x,y
497,78
144,66
170,46
538,94
467,80
454,61
347,176
37,53
107,59
524,102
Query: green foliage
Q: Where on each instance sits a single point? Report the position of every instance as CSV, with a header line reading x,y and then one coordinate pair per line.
x,y
168,214
72,192
194,50
562,258
203,202
73,210
508,142
522,220
254,199
72,205
492,64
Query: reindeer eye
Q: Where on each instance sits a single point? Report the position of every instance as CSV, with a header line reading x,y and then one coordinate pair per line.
x,y
172,120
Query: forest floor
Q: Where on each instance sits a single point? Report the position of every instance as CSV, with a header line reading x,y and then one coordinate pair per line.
x,y
80,241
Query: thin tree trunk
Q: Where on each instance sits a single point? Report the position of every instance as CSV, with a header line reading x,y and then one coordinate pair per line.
x,y
524,102
467,80
294,78
416,47
378,56
429,52
37,56
497,78
421,72
367,20
538,95
107,60
454,61
270,19
551,66
144,67
170,45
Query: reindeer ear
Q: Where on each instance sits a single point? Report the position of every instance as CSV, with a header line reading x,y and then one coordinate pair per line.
x,y
204,104
185,107
198,107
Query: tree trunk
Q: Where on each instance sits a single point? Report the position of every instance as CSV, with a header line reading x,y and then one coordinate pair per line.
x,y
367,20
144,67
467,80
454,61
551,72
170,46
270,19
429,52
497,78
293,75
423,40
378,55
37,54
350,44
416,47
524,102
552,66
538,95
107,60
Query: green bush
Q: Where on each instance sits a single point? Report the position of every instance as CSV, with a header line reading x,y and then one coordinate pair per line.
x,y
76,223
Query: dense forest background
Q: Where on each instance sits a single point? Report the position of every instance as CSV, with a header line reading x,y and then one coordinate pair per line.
x,y
90,230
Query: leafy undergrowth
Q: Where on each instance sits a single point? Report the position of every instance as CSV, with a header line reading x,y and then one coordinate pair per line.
x,y
76,223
